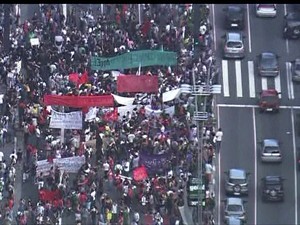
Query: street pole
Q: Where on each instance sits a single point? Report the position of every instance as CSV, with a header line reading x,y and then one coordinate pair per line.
x,y
6,41
102,8
140,16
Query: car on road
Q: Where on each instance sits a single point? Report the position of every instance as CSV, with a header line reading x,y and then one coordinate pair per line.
x,y
266,10
234,45
295,68
272,188
234,221
270,151
269,100
236,182
234,207
234,17
291,28
268,64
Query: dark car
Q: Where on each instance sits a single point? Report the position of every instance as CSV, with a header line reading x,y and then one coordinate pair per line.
x,y
269,100
236,182
291,28
268,64
272,188
295,67
234,17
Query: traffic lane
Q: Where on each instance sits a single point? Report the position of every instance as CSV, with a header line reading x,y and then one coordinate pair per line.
x,y
220,30
237,151
278,126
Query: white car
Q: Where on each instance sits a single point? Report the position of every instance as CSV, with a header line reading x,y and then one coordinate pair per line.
x,y
266,10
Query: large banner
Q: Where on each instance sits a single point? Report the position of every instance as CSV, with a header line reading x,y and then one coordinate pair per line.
x,y
69,164
134,83
149,111
72,120
79,101
123,100
171,95
154,162
135,59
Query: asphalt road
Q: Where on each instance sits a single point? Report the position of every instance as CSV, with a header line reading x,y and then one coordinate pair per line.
x,y
244,126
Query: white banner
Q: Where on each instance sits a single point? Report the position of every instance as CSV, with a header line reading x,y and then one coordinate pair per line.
x,y
91,114
123,100
124,109
72,120
69,164
149,111
171,95
34,41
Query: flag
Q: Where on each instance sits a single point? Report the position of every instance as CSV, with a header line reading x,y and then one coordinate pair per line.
x,y
76,79
140,173
111,116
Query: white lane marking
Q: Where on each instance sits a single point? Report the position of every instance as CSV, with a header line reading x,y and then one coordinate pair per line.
x,y
286,40
254,106
295,167
251,79
264,83
277,84
225,78
255,166
289,80
248,22
219,175
214,26
238,74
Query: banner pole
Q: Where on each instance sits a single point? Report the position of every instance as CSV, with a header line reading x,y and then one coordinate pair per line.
x,y
62,130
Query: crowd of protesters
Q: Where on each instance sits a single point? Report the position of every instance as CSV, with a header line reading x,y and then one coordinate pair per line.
x,y
117,144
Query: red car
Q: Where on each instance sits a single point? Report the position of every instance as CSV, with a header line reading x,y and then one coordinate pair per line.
x,y
269,100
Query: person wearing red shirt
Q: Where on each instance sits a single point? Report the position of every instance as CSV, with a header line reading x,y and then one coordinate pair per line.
x,y
82,198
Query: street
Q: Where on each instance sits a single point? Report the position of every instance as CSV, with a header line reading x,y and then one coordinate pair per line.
x,y
244,127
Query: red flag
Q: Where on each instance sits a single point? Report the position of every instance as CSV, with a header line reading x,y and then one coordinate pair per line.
x,y
133,83
84,78
76,79
111,116
140,173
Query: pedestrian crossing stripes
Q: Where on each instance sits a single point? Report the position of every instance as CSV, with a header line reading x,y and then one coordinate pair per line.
x,y
240,79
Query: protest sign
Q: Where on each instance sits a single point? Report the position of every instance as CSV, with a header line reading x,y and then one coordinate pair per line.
x,y
154,162
34,41
135,59
72,120
91,114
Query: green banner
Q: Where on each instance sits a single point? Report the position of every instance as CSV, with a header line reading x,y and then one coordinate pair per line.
x,y
135,59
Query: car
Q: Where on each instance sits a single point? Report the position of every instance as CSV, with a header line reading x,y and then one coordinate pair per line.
x,y
268,64
272,188
234,45
270,151
234,221
291,28
269,100
234,207
266,10
236,182
295,68
234,17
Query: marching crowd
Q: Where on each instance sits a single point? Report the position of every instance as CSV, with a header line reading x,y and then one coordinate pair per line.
x,y
104,190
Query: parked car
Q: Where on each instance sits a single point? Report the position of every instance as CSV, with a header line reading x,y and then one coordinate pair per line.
x,y
236,182
234,45
234,221
266,10
272,188
291,28
268,64
270,151
234,17
234,207
295,68
269,100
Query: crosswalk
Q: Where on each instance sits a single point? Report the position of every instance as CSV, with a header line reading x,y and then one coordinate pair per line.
x,y
240,79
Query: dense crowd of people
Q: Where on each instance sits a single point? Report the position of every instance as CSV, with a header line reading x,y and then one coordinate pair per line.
x,y
104,190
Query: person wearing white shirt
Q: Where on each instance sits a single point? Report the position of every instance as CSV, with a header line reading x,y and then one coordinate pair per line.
x,y
218,139
1,156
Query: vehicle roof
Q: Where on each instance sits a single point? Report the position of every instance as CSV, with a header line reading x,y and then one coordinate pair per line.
x,y
297,60
237,174
293,16
271,142
268,55
269,92
234,201
234,36
233,221
234,8
272,178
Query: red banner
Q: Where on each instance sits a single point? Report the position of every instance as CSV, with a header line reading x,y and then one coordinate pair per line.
x,y
49,196
111,116
134,83
140,173
76,79
79,101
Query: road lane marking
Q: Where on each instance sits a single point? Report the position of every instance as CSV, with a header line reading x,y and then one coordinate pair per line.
x,y
264,83
277,84
214,26
295,167
286,40
238,74
290,84
254,106
255,166
248,22
225,78
252,93
219,174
